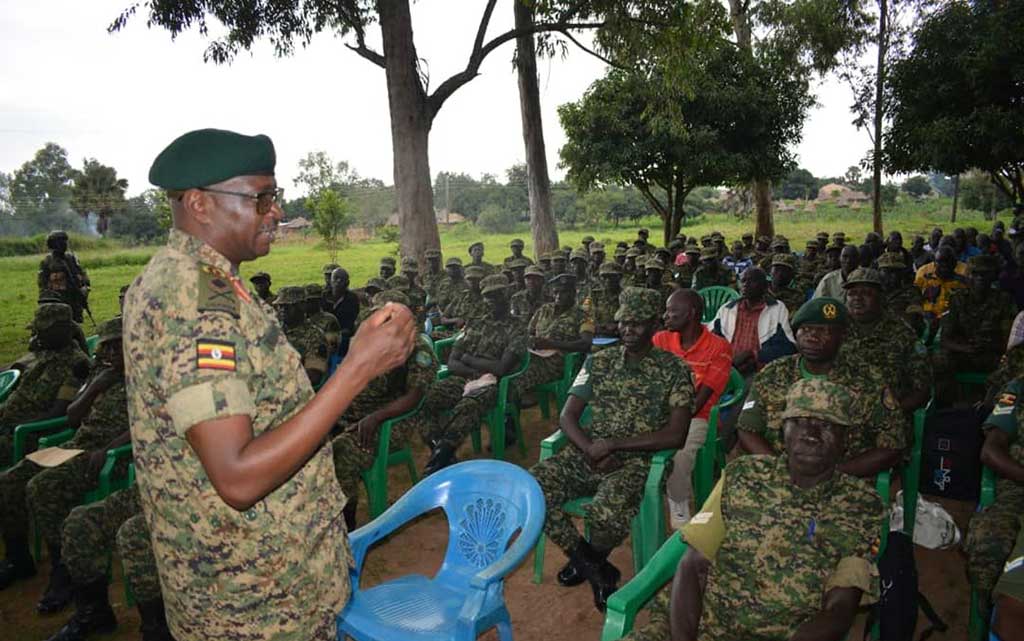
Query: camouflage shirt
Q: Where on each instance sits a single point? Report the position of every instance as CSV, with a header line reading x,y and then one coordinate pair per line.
x,y
1011,366
508,260
524,306
890,349
879,422
52,263
491,339
55,375
470,306
198,349
309,342
905,299
719,276
791,297
985,324
633,398
777,549
599,310
328,324
563,327
107,419
449,291
419,371
432,284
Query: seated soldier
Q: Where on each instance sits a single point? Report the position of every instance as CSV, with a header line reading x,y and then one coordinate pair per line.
x,y
784,547
879,433
517,274
261,282
600,307
27,359
100,412
1008,595
656,268
1011,365
325,289
977,323
453,284
433,277
517,246
782,288
527,301
555,330
597,256
417,295
387,267
306,338
373,287
711,271
323,320
344,306
992,531
470,305
492,347
899,295
579,268
642,399
387,396
51,380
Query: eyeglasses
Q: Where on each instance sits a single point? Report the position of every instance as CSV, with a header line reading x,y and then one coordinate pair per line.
x,y
264,199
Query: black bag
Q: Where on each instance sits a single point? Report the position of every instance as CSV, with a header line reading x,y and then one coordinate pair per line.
x,y
896,610
951,455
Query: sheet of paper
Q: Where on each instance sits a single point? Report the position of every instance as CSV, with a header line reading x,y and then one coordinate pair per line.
x,y
478,384
543,353
52,456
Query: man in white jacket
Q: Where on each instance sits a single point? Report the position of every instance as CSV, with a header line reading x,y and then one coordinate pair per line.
x,y
757,325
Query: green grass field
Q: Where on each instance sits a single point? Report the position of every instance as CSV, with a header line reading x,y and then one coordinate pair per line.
x,y
299,262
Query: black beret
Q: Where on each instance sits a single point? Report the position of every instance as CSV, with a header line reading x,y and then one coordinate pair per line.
x,y
208,156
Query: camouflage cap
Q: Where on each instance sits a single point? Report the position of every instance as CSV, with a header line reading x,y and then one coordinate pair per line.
x,y
389,296
811,242
822,234
621,251
747,235
410,264
397,282
692,248
717,235
579,254
840,235
821,399
375,283
834,246
453,261
55,234
633,252
596,246
821,311
983,263
780,241
643,232
260,276
475,272
709,253
676,244
50,314
891,260
474,245
655,263
639,304
610,268
517,242
533,270
494,283
290,296
560,255
764,239
314,291
663,250
518,263
785,260
388,260
544,258
863,276
109,330
329,268
587,239
432,253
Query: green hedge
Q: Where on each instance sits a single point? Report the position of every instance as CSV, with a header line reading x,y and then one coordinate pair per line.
x,y
27,246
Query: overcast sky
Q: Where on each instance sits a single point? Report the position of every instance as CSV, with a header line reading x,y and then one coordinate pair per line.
x,y
121,98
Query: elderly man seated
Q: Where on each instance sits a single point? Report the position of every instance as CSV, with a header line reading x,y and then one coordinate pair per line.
x,y
784,546
756,325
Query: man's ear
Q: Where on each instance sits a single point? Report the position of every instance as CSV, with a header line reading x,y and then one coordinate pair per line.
x,y
196,205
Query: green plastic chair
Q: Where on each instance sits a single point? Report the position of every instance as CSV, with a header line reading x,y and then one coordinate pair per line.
x,y
912,470
648,528
376,477
977,626
90,344
559,390
739,385
714,297
8,381
440,345
627,601
709,453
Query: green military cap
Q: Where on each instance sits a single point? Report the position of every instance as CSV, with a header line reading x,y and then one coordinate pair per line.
x,y
633,252
109,330
639,304
834,246
822,234
623,244
786,260
983,263
50,314
260,276
779,241
563,279
706,238
494,283
596,246
376,283
389,296
578,254
388,260
329,268
410,264
610,268
717,235
314,291
891,260
621,251
474,271
397,282
821,311
863,276
663,250
708,253
693,249
558,255
432,253
677,243
475,244
453,261
587,239
533,270
764,239
644,233
737,244
811,242
209,156
747,235
840,235
518,263
290,296
821,399
517,242
544,258
655,263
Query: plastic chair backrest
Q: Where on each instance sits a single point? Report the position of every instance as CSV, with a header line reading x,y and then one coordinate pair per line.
x,y
733,389
486,502
91,342
714,297
8,379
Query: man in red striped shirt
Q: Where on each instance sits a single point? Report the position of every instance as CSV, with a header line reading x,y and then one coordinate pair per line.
x,y
710,359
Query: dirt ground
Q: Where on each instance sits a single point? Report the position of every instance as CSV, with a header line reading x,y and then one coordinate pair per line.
x,y
545,612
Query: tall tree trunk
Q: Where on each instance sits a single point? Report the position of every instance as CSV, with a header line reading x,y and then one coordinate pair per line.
x,y
739,12
542,222
410,132
876,160
956,197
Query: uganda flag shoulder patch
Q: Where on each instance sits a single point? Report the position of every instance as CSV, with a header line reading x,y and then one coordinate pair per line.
x,y
213,354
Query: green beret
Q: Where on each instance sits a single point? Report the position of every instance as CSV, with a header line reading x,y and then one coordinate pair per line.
x,y
376,283
110,330
314,291
983,263
389,296
432,253
494,283
209,156
821,399
610,268
517,242
821,311
388,260
863,276
596,247
477,243
329,268
891,260
475,271
260,276
290,296
50,314
639,304
454,261
410,264
397,282
533,270
786,260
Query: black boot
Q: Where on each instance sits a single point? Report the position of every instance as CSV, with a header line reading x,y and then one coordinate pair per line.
x,y
604,579
349,512
58,591
442,456
92,613
18,564
154,622
577,569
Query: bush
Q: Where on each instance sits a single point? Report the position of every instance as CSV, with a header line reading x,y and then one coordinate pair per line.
x,y
497,220
29,245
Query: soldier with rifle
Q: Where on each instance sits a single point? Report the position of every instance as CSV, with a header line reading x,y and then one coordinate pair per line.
x,y
61,272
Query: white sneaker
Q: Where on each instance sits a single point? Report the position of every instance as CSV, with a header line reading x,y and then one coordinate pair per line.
x,y
678,513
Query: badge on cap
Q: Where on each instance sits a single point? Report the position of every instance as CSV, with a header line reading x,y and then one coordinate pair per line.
x,y
829,311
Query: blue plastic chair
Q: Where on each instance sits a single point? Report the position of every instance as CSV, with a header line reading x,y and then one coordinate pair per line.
x,y
486,503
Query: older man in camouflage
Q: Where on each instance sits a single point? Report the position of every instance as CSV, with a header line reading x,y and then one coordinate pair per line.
x,y
784,547
254,545
641,400
305,337
491,347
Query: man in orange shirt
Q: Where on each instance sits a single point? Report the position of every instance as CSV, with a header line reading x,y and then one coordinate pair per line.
x,y
710,359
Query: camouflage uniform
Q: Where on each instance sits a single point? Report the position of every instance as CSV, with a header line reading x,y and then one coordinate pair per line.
x,y
891,350
993,531
89,532
137,559
432,281
198,348
470,306
549,323
524,306
986,323
326,322
599,309
711,276
626,399
1011,366
68,265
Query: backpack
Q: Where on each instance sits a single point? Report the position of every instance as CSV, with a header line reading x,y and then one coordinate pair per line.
x,y
951,455
896,610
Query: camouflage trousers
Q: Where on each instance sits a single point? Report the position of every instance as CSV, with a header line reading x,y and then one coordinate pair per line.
x,y
466,412
7,445
540,371
991,535
137,558
48,494
658,627
351,459
87,538
616,497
